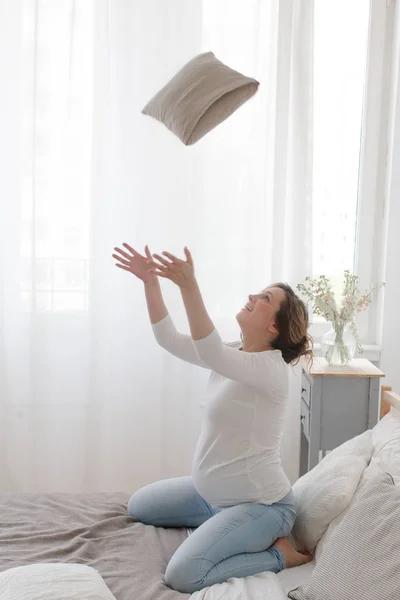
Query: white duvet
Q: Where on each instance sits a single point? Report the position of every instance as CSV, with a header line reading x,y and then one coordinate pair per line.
x,y
265,586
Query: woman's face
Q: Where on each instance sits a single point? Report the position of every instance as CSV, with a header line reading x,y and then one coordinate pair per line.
x,y
260,311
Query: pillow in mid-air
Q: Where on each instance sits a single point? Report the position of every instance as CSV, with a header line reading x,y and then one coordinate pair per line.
x,y
199,97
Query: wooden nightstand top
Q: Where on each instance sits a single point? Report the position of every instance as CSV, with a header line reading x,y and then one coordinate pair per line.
x,y
358,367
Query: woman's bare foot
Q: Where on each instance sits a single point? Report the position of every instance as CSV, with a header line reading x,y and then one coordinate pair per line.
x,y
292,557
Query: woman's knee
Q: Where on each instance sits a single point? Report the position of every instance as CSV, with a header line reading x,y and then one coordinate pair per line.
x,y
184,575
169,503
156,503
141,505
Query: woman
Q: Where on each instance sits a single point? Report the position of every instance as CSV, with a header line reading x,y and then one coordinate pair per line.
x,y
238,496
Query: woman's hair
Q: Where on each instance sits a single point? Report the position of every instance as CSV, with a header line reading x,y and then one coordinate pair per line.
x,y
292,323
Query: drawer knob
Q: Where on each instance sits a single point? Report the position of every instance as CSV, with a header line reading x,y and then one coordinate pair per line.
x,y
302,417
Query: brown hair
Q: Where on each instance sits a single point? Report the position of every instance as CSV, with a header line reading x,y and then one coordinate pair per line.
x,y
292,323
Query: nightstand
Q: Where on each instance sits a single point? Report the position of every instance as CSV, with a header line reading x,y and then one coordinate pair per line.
x,y
337,403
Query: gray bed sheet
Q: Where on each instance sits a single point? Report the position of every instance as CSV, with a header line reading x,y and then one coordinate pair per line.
x,y
89,529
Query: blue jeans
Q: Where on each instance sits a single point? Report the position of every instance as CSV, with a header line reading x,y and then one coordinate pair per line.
x,y
230,542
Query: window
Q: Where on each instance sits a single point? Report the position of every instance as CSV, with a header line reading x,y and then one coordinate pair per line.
x,y
340,60
350,104
351,70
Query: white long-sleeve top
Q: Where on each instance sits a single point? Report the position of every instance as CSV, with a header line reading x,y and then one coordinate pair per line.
x,y
237,458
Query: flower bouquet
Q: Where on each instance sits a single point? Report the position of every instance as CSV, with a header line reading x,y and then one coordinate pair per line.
x,y
342,341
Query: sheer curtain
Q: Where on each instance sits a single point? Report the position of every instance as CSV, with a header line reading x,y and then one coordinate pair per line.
x,y
88,401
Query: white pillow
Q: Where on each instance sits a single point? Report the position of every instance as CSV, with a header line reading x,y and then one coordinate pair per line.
x,y
386,457
362,559
389,459
53,582
386,430
370,472
325,491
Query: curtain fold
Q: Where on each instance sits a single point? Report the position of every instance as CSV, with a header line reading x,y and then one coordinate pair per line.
x,y
88,401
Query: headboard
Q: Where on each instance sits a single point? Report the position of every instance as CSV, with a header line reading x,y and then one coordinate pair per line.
x,y
389,400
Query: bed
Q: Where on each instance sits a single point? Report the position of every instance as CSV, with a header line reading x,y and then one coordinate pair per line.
x,y
94,530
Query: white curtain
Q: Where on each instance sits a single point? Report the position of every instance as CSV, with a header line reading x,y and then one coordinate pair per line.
x,y
88,401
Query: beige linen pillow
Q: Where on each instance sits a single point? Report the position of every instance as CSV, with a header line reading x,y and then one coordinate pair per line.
x,y
199,97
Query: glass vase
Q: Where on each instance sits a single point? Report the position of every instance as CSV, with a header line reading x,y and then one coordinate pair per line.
x,y
339,344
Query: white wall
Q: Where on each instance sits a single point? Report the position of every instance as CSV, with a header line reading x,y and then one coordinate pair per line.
x,y
390,358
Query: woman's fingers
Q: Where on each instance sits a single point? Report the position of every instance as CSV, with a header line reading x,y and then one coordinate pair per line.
x,y
155,265
171,256
122,260
148,254
188,255
125,254
132,250
162,260
122,267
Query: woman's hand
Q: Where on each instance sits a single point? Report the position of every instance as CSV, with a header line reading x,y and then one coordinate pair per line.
x,y
179,271
132,261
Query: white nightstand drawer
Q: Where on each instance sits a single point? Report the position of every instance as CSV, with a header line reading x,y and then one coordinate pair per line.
x,y
306,390
305,419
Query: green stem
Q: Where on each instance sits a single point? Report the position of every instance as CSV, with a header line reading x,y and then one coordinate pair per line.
x,y
339,345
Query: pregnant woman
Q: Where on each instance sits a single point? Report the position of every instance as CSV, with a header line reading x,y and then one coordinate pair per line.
x,y
238,497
